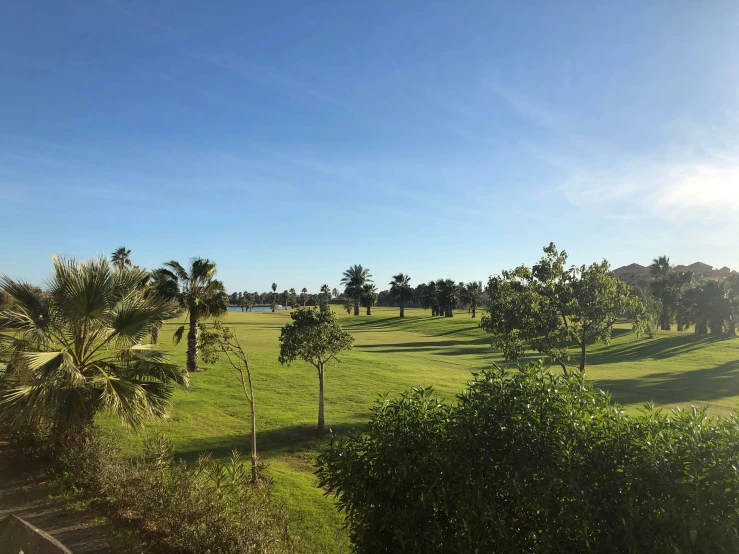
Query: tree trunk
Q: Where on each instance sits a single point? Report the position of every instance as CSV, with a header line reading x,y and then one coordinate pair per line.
x,y
402,310
356,307
192,343
254,460
321,424
680,326
583,357
369,310
154,334
474,308
449,312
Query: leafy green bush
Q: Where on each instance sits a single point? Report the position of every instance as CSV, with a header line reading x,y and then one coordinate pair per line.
x,y
209,506
530,461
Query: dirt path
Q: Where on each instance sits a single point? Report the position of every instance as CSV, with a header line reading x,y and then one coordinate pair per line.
x,y
28,499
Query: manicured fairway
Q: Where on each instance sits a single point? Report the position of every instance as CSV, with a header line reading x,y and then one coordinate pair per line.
x,y
391,355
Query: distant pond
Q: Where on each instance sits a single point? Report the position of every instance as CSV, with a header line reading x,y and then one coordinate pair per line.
x,y
257,308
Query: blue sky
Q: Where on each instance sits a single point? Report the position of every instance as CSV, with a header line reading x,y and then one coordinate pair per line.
x,y
289,140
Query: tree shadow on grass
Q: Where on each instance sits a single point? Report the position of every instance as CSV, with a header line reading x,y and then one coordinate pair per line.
x,y
293,440
442,347
656,349
677,387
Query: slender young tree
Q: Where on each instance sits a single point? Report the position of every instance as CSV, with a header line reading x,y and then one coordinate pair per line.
x,y
353,280
218,340
316,337
200,294
401,290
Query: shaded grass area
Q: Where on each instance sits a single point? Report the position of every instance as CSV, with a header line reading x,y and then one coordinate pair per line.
x,y
392,355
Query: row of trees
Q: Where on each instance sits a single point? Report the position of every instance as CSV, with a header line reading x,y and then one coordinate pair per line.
x,y
709,305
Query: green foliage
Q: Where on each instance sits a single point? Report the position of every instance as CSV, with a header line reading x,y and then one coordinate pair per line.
x,y
314,336
551,308
530,461
646,313
174,506
76,349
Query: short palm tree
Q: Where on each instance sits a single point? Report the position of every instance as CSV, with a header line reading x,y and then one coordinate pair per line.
x,y
472,295
199,293
77,348
369,296
401,290
353,280
121,258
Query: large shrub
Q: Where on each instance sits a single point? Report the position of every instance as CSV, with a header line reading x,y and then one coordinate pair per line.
x,y
172,505
530,461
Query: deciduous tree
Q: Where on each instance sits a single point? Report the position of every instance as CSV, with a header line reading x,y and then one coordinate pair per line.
x,y
316,337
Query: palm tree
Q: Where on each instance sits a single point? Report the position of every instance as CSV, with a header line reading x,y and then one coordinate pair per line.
x,y
274,296
660,267
430,298
335,292
448,296
304,295
77,348
400,289
199,293
121,258
472,295
353,280
369,296
325,294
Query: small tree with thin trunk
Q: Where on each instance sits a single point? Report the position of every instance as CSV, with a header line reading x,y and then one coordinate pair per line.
x,y
316,337
217,340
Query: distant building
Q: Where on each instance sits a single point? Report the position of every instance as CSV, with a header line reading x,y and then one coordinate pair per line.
x,y
639,276
633,274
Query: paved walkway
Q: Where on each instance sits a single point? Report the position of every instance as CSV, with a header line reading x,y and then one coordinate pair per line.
x,y
28,499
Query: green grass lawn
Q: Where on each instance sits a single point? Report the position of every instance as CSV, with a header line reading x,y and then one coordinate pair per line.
x,y
391,355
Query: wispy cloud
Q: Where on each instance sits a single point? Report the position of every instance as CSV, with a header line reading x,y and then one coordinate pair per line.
x,y
692,177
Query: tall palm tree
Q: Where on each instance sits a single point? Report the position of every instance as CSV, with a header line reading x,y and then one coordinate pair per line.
x,y
199,293
660,267
335,292
304,296
121,258
274,296
369,296
400,289
325,295
472,295
353,280
77,348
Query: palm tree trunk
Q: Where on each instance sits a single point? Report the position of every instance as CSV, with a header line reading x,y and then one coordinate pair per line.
x,y
321,423
402,310
474,308
369,310
192,343
356,306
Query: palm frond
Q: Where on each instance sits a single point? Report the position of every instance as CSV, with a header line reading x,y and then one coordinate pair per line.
x,y
177,337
